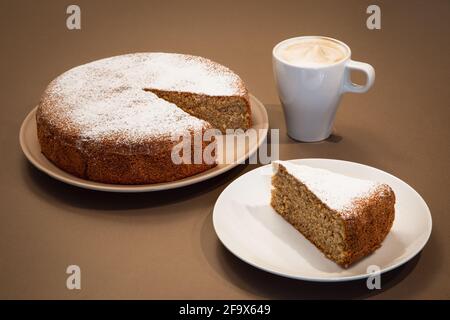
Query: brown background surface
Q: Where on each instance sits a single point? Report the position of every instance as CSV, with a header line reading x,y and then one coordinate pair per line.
x,y
162,245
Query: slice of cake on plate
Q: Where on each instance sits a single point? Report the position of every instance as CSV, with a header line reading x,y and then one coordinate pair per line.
x,y
344,217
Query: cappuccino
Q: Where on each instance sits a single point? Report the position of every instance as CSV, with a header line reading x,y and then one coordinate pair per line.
x,y
312,51
311,74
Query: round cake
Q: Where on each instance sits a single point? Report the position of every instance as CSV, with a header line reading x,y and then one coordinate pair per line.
x,y
114,120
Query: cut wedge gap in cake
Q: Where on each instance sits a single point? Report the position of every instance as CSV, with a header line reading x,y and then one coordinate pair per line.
x,y
222,112
345,218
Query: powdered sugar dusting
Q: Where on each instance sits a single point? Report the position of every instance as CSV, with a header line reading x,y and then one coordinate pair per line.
x,y
107,96
337,191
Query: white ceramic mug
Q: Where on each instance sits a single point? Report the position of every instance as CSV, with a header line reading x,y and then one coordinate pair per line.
x,y
310,95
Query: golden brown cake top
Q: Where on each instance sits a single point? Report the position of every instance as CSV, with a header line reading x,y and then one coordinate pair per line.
x,y
107,98
339,192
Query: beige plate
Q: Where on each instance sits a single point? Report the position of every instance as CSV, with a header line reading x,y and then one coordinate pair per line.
x,y
32,150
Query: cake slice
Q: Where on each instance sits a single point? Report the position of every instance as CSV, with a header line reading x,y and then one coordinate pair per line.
x,y
346,218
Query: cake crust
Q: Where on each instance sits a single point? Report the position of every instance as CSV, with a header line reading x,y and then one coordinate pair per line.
x,y
371,222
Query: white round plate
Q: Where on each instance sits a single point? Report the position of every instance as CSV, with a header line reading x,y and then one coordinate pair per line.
x,y
248,226
31,149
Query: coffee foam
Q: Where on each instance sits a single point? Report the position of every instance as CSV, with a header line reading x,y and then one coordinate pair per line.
x,y
312,51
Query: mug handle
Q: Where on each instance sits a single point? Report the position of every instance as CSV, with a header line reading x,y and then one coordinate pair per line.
x,y
349,86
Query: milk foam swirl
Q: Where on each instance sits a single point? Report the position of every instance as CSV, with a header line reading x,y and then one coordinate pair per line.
x,y
315,51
